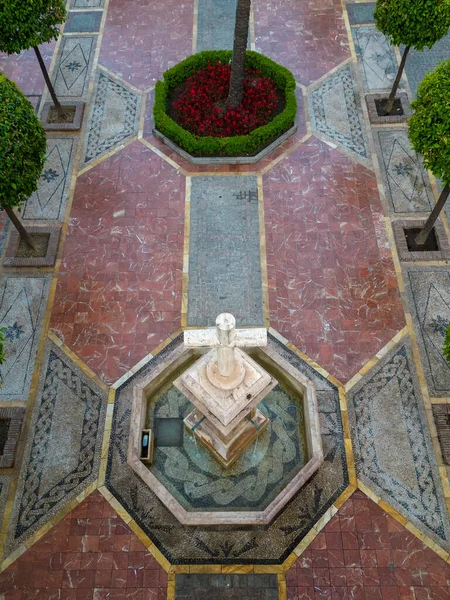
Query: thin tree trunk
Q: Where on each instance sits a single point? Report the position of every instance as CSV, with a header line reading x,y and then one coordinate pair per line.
x,y
239,48
391,99
47,81
423,235
20,228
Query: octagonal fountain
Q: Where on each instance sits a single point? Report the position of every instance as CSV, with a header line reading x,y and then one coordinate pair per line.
x,y
222,435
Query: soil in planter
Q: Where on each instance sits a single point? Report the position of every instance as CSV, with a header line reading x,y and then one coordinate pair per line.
x,y
67,116
397,109
4,428
40,240
431,244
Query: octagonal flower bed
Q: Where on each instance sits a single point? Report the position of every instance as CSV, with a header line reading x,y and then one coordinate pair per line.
x,y
191,115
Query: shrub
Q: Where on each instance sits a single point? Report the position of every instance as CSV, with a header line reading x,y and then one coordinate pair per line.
x,y
429,126
224,146
26,24
22,146
415,23
446,347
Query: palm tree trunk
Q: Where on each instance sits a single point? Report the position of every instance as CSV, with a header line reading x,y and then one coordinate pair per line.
x,y
391,99
20,228
47,80
423,235
239,48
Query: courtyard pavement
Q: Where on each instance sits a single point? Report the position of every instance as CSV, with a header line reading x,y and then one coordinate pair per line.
x,y
301,242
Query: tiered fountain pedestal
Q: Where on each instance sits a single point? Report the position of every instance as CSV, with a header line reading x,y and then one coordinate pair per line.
x,y
225,420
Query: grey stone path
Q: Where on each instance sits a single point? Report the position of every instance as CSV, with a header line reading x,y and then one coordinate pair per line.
x,y
215,29
226,587
224,252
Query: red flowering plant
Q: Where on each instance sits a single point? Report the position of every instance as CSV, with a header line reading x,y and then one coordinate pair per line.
x,y
200,106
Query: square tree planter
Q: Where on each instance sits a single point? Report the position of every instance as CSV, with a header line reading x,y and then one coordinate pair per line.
x,y
442,251
376,119
73,125
47,260
10,426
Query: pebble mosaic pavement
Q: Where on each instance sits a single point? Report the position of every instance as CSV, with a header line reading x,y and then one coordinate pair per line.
x,y
321,269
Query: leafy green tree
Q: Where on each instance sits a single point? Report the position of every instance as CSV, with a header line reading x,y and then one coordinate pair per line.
x,y
429,133
239,48
22,151
26,24
413,23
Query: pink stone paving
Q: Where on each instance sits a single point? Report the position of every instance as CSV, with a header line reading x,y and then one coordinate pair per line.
x,y
119,287
332,285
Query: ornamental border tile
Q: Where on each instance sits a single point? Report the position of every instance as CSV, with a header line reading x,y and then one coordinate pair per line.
x,y
424,506
32,504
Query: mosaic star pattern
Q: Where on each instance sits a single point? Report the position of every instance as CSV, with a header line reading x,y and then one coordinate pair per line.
x,y
74,65
405,181
23,302
428,294
49,201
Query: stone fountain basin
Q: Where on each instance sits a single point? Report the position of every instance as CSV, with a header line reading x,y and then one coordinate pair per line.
x,y
179,359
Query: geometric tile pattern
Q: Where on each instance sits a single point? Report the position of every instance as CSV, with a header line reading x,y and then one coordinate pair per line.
x,y
224,252
441,413
250,587
406,183
22,309
309,38
62,455
363,553
73,67
392,444
332,286
232,544
336,113
119,287
197,482
114,116
49,201
91,554
428,293
376,57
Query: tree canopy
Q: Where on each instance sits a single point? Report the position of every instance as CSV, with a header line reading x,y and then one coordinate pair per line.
x,y
22,146
415,23
25,24
429,126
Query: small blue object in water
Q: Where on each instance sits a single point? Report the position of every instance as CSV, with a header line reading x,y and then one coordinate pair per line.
x,y
145,441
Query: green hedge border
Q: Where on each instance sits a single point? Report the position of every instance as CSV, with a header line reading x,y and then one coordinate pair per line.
x,y
228,146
